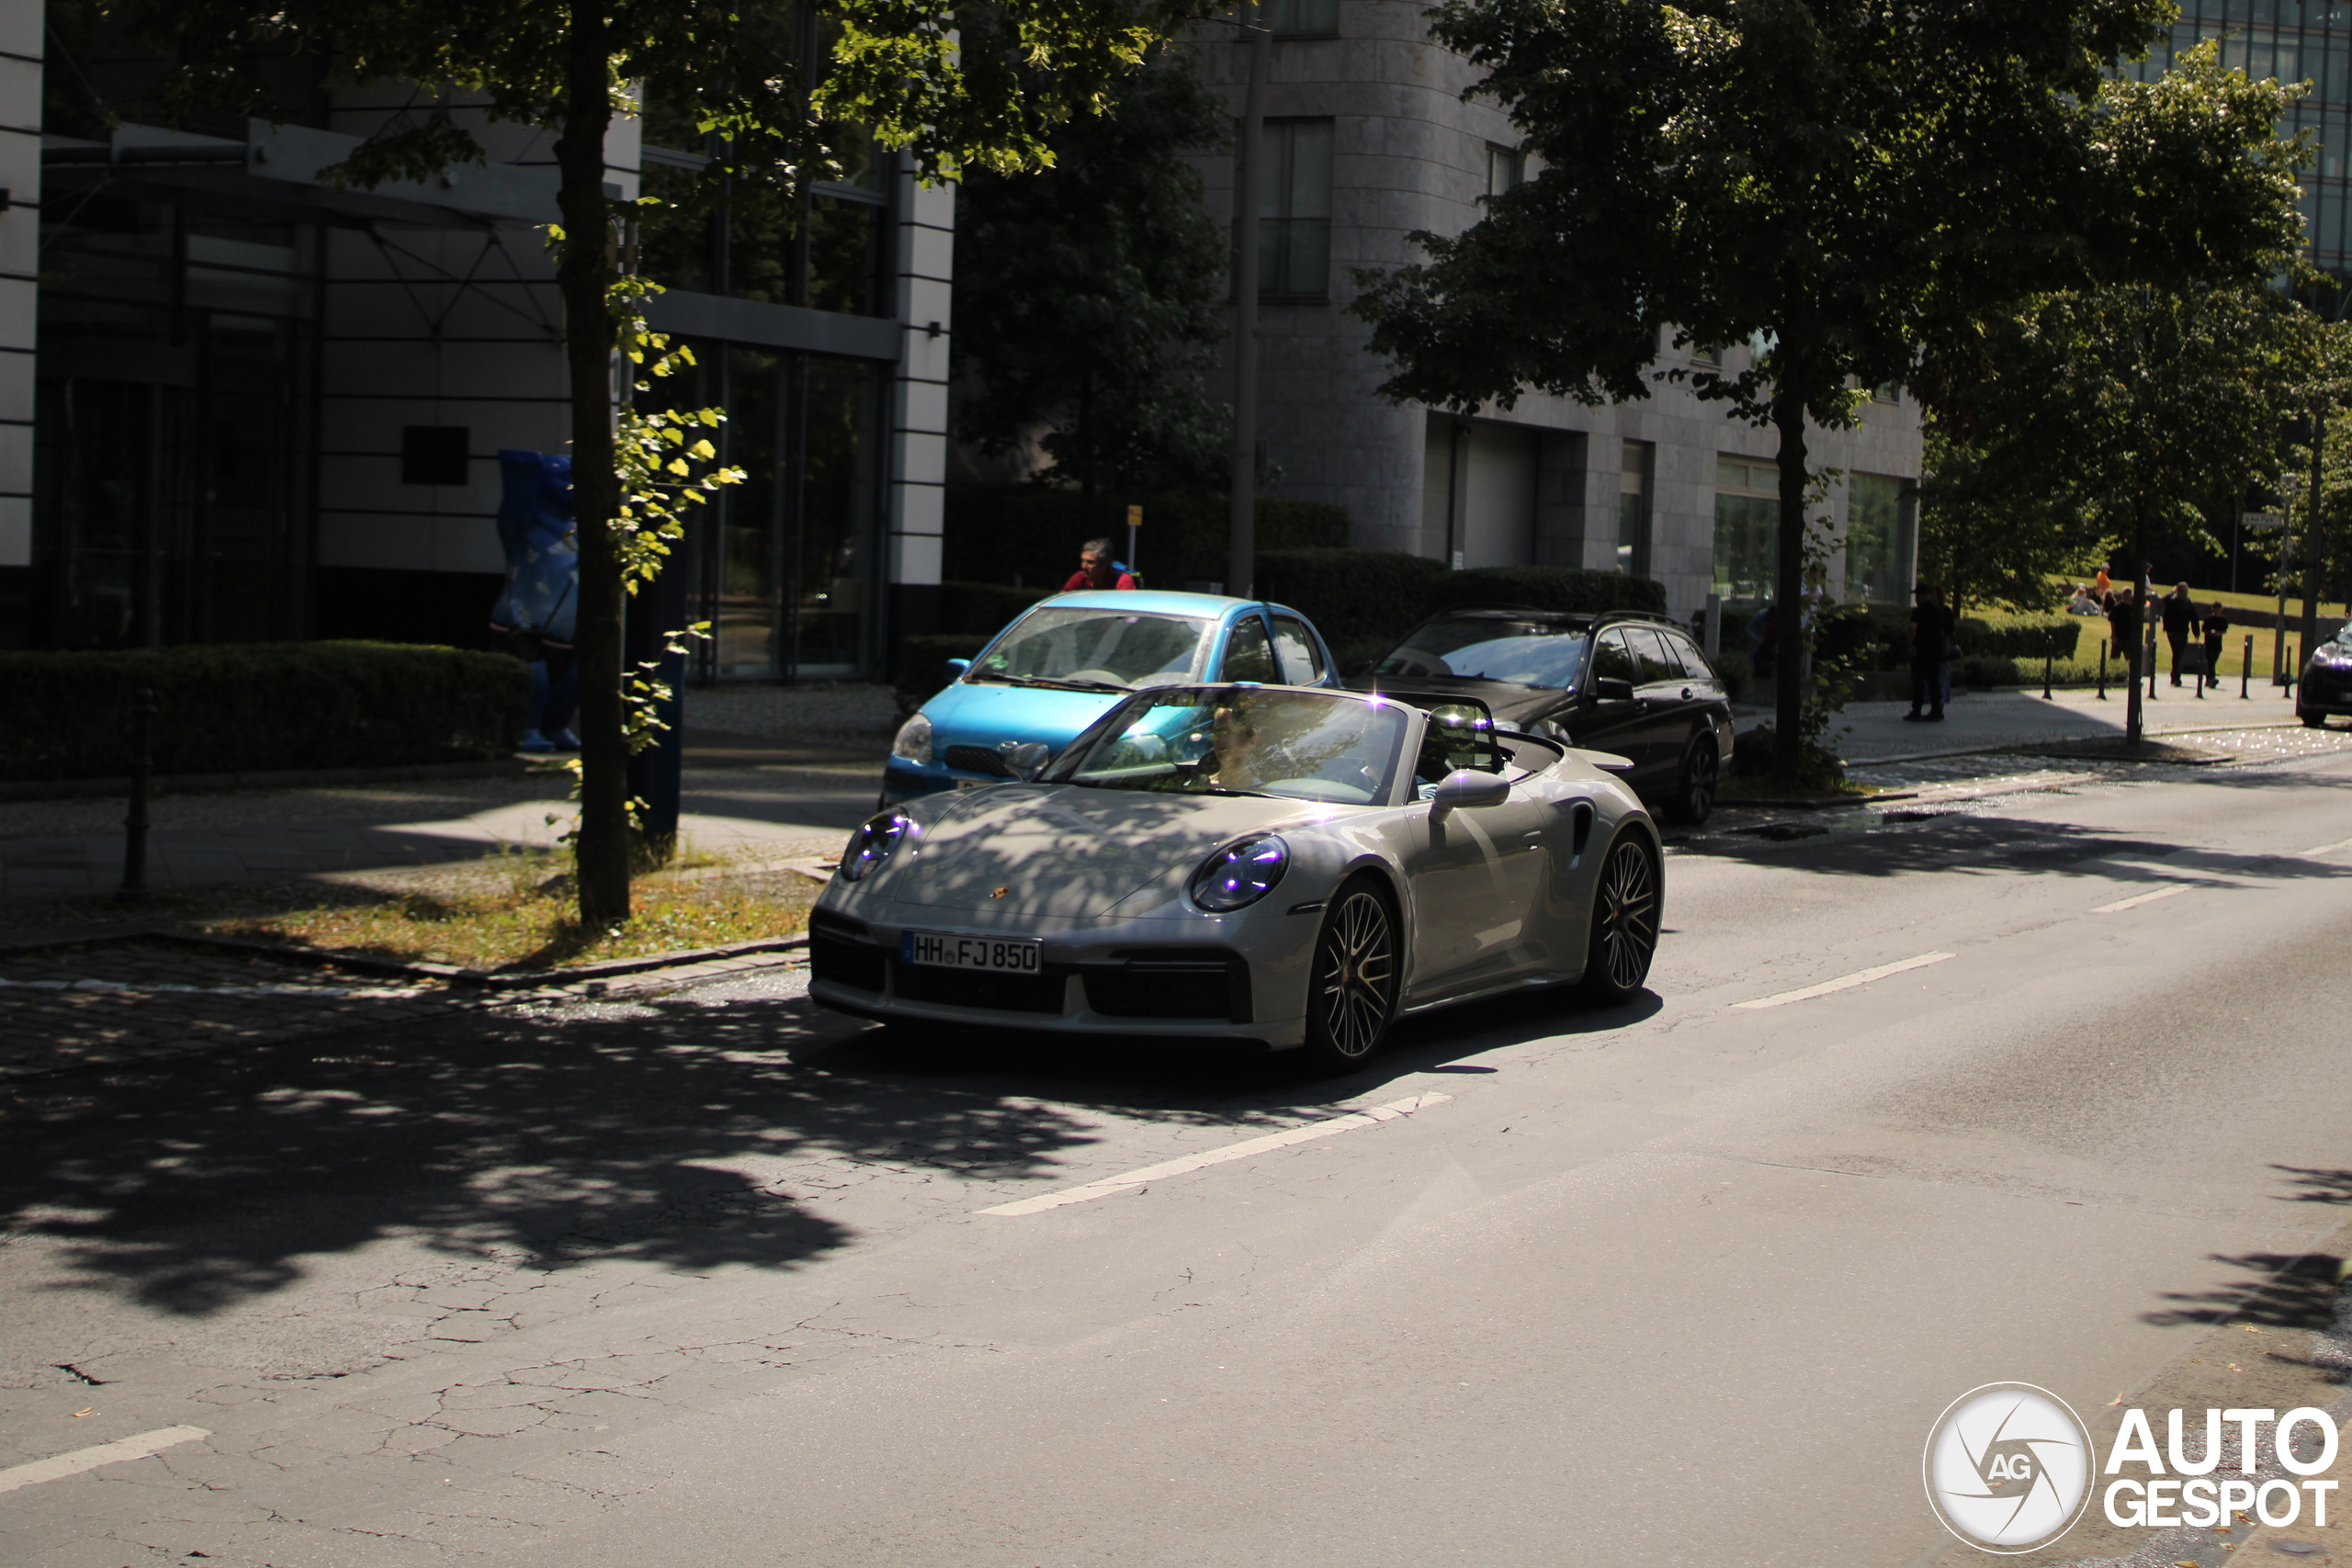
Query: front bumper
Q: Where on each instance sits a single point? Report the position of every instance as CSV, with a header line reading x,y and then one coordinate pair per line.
x,y
2325,691
1135,978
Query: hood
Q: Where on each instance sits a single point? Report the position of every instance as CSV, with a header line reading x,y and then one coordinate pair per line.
x,y
1509,702
990,716
1064,850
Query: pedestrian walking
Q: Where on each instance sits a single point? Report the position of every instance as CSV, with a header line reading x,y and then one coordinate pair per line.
x,y
2216,627
2180,620
1930,637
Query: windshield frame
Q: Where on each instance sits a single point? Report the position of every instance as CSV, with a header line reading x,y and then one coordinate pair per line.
x,y
1581,629
1205,628
1397,780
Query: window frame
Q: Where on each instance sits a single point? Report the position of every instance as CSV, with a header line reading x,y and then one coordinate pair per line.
x,y
1276,220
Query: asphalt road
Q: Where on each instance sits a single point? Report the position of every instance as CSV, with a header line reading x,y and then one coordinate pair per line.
x,y
704,1280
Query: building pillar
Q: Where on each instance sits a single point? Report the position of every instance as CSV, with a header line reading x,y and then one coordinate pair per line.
x,y
20,70
925,255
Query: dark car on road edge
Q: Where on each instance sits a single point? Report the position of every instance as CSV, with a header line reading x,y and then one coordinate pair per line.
x,y
2326,685
1621,680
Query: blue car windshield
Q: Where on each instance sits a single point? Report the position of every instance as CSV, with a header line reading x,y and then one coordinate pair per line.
x,y
1099,647
1243,741
1490,647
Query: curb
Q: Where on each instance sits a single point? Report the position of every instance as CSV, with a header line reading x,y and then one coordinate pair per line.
x,y
291,778
448,974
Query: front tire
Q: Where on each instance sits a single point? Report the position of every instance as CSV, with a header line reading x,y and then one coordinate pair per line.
x,y
1624,925
1695,791
2312,721
1351,985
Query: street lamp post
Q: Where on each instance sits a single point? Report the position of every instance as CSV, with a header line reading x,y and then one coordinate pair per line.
x,y
1242,538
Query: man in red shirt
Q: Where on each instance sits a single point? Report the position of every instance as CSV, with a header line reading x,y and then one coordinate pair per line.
x,y
1097,570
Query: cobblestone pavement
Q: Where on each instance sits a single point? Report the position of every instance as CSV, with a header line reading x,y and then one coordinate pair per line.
x,y
80,1008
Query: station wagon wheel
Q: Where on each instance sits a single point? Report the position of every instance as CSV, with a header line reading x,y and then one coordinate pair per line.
x,y
1624,925
1352,988
1695,792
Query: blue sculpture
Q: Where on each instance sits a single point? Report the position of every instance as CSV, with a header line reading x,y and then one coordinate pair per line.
x,y
539,606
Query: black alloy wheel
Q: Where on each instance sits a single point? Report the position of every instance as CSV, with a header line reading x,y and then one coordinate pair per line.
x,y
1352,988
1624,925
1695,792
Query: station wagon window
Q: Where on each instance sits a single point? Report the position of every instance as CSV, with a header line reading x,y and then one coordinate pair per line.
x,y
1612,659
1694,663
1247,657
1651,656
1302,662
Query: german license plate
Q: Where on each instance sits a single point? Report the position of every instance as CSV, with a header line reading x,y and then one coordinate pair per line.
x,y
996,956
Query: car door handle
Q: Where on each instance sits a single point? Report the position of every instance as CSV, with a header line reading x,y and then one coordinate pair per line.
x,y
1686,694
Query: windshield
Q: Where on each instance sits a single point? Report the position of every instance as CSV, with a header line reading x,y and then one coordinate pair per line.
x,y
1487,648
1237,741
1099,647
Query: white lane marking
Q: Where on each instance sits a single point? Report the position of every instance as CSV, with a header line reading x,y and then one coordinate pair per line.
x,y
1371,1116
2327,849
1844,982
80,1459
2138,899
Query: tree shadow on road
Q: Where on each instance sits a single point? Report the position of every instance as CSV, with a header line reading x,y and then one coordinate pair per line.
x,y
682,1134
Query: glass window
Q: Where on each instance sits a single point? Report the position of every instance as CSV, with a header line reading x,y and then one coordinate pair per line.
x,y
1294,211
1747,523
1612,659
1303,18
1301,745
1492,648
1098,647
1247,656
1633,510
1878,568
1506,167
1302,661
1686,653
1654,664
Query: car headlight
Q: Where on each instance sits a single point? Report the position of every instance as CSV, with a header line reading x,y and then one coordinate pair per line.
x,y
914,739
1238,876
872,844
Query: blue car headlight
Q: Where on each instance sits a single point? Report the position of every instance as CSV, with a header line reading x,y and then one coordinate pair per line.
x,y
1237,877
872,844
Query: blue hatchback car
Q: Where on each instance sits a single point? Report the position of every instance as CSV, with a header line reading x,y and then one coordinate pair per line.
x,y
1058,668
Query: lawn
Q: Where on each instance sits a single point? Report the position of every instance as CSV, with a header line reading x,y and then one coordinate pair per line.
x,y
2092,631
516,910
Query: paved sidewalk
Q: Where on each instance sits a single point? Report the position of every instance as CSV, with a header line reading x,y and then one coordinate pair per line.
x,y
1982,720
742,796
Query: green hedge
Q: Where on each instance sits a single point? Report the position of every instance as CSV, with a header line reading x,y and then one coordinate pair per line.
x,y
994,531
921,668
247,707
984,607
2019,638
1545,588
1352,596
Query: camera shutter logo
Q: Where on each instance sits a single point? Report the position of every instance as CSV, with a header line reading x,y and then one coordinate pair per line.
x,y
2008,1467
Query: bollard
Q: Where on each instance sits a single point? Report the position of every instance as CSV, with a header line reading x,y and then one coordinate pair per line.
x,y
2045,666
2150,655
134,826
2246,669
2103,670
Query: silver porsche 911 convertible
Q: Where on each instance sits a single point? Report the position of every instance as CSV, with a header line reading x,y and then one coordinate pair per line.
x,y
1292,866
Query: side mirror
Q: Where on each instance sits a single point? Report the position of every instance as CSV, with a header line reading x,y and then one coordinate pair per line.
x,y
1605,690
956,668
1467,789
1028,760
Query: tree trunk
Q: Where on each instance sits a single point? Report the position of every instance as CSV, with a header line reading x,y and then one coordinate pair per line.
x,y
583,275
1787,757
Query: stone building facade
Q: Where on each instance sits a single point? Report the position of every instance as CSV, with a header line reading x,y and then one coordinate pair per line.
x,y
1369,140
238,402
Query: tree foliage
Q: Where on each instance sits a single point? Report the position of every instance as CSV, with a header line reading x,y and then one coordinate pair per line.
x,y
1851,184
977,84
2115,417
1090,296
